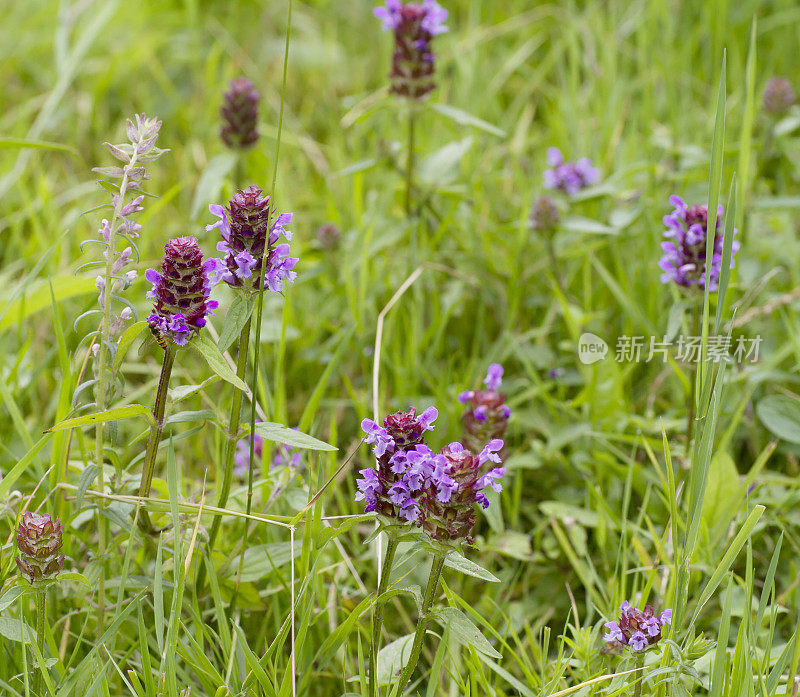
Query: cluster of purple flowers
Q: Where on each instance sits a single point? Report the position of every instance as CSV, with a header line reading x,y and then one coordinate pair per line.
x,y
487,415
569,177
684,258
283,456
414,25
181,291
636,630
246,231
437,491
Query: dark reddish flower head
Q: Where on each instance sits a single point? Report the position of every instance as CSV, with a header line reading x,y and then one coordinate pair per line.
x,y
239,113
247,229
181,290
39,541
414,26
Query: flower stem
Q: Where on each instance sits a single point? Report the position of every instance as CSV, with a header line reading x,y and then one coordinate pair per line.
x,y
234,423
412,122
41,617
422,625
638,676
100,399
155,435
377,616
690,408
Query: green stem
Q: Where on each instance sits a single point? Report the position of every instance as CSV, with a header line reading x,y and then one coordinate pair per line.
x,y
638,676
422,625
100,399
412,119
234,425
690,406
377,616
155,434
41,617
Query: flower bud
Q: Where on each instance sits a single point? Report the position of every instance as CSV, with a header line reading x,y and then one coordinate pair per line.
x,y
39,541
239,113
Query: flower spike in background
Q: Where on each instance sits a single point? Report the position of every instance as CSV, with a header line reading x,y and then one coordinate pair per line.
x,y
239,113
487,415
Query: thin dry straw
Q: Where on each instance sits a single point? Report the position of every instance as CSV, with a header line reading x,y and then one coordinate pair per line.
x,y
376,371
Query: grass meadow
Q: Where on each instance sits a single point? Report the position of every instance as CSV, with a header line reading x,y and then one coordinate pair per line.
x,y
635,470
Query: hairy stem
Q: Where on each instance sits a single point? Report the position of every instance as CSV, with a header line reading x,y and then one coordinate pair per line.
x,y
638,676
41,617
422,625
412,121
155,435
105,333
234,423
377,616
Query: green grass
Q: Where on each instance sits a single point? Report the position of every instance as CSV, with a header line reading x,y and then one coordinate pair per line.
x,y
600,504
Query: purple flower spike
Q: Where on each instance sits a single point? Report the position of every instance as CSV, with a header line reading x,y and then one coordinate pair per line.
x,y
488,414
248,234
239,113
181,291
378,436
684,259
414,25
569,177
779,96
636,630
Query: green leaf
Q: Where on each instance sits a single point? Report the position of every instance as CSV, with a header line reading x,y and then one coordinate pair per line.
x,y
87,477
722,492
12,630
463,118
464,629
441,166
12,595
392,658
261,560
117,414
459,563
213,356
592,227
6,143
278,433
781,415
126,340
210,182
239,312
74,576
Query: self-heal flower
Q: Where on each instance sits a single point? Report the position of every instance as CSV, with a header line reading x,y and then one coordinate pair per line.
x,y
487,414
404,464
569,177
684,258
250,234
635,630
39,541
545,216
181,291
239,113
414,25
779,96
455,485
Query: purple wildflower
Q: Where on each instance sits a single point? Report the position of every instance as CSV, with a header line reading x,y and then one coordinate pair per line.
x,y
39,541
181,291
636,630
487,414
684,258
247,236
569,177
779,96
545,215
328,236
455,485
239,113
405,464
414,25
